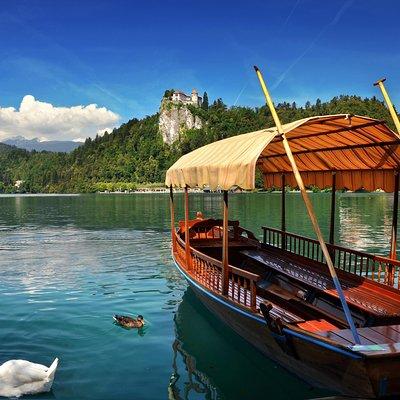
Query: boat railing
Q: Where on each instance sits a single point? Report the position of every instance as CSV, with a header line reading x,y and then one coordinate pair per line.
x,y
374,267
207,271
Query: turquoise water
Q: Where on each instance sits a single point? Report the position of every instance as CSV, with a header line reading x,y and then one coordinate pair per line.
x,y
68,263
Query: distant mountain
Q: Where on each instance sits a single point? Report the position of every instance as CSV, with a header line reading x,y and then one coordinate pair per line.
x,y
5,147
35,144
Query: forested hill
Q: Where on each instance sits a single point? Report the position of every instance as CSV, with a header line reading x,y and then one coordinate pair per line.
x,y
135,153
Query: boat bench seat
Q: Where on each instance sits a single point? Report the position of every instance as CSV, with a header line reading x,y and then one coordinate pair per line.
x,y
369,297
317,325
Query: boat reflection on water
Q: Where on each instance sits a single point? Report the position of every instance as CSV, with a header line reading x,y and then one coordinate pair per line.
x,y
197,382
187,381
211,362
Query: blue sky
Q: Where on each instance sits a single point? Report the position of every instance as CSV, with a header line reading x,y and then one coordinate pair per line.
x,y
122,54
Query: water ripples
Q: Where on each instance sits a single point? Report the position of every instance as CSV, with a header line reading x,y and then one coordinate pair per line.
x,y
69,263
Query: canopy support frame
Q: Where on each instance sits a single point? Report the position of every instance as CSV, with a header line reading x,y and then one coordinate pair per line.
x,y
172,214
187,236
393,240
310,209
340,130
333,210
393,236
225,245
283,211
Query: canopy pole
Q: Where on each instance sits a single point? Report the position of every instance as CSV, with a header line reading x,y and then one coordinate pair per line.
x,y
172,213
393,236
393,241
187,240
388,103
283,211
310,209
225,247
333,210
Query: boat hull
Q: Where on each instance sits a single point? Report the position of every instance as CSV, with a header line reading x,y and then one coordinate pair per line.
x,y
315,362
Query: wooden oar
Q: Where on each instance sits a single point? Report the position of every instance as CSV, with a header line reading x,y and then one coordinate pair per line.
x,y
393,239
389,103
309,207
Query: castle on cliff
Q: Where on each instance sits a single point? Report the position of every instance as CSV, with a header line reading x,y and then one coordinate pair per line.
x,y
181,97
176,117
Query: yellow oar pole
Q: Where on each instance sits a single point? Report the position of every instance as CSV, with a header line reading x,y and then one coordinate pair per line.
x,y
393,239
309,207
389,103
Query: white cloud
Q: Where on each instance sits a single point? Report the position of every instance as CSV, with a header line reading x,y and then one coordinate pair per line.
x,y
39,119
101,132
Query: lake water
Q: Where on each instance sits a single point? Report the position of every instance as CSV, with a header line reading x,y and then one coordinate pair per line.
x,y
68,263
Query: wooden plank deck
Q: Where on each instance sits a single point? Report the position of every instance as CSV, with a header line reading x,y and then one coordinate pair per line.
x,y
392,332
366,296
387,337
375,341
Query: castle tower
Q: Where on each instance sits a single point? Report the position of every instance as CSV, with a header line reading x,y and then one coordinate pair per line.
x,y
195,97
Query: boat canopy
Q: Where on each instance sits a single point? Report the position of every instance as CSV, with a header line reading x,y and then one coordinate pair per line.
x,y
362,151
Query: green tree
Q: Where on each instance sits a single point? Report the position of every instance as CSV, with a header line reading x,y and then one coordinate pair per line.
x,y
135,153
204,105
168,93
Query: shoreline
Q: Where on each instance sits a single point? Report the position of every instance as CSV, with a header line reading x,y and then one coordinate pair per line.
x,y
177,191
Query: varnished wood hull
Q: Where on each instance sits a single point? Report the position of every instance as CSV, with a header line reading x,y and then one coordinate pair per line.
x,y
318,364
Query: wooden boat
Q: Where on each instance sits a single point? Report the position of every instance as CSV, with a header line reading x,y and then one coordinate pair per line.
x,y
329,314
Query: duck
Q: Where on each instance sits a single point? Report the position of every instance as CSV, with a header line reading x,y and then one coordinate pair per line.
x,y
129,322
21,377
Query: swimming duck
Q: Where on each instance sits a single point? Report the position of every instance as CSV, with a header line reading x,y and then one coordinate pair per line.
x,y
129,322
19,377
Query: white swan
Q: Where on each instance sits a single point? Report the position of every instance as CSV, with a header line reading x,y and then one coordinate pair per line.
x,y
19,377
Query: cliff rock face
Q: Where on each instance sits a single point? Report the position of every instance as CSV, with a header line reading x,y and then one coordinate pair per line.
x,y
174,119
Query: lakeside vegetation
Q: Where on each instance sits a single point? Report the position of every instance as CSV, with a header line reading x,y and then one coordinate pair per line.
x,y
134,154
